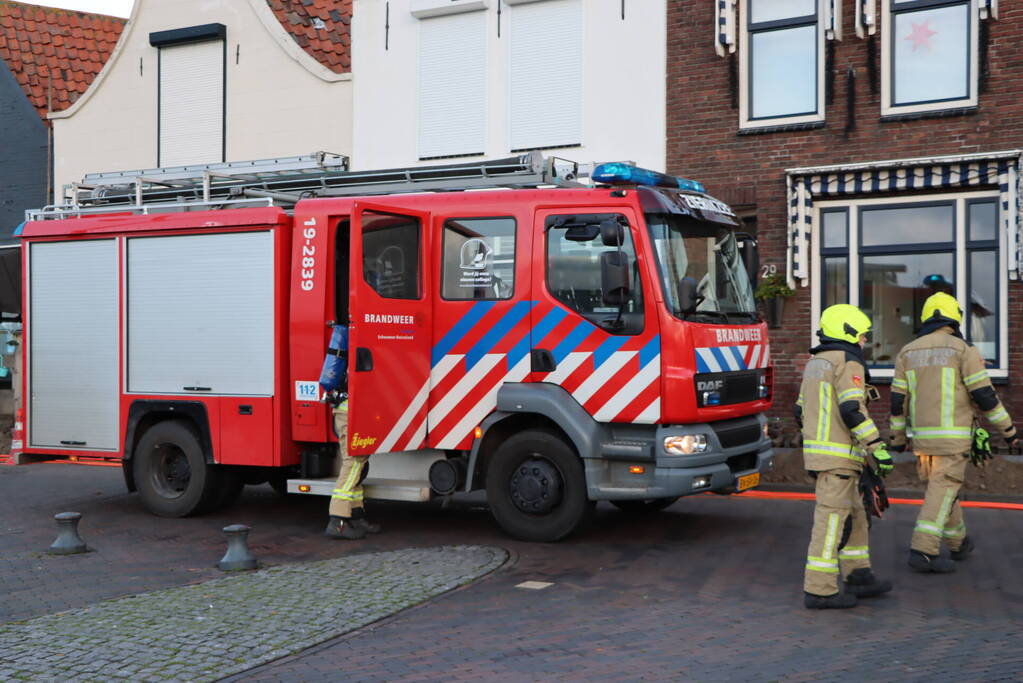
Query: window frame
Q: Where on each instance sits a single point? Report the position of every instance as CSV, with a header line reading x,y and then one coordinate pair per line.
x,y
888,12
639,267
962,248
746,122
514,255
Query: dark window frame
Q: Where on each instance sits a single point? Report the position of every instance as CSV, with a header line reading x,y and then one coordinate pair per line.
x,y
637,285
779,25
896,8
420,260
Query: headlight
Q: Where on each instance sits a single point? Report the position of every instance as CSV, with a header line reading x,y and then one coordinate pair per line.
x,y
685,445
767,431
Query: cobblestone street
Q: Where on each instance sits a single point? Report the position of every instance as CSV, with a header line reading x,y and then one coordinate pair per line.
x,y
708,590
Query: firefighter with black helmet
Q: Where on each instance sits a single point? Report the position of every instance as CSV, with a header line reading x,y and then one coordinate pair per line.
x,y
838,435
940,379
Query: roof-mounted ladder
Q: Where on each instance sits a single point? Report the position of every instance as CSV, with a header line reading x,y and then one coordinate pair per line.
x,y
285,181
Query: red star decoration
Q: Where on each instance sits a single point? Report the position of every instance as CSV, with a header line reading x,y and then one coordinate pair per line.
x,y
921,35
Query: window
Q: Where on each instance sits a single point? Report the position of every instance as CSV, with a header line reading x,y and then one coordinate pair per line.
x,y
930,55
546,80
191,95
781,79
452,85
887,256
479,259
390,255
576,260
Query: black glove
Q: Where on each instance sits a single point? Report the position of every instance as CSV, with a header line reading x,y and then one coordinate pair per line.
x,y
875,498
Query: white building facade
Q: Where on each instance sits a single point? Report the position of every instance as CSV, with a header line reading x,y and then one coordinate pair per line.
x,y
195,82
451,80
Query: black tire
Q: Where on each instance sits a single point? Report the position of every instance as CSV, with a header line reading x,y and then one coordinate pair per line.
x,y
279,483
171,472
536,487
645,507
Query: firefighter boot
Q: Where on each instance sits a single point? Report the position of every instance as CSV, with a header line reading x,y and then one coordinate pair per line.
x,y
836,601
924,563
341,528
863,584
359,521
964,550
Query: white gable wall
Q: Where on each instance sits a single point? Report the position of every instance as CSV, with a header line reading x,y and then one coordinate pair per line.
x,y
620,95
279,100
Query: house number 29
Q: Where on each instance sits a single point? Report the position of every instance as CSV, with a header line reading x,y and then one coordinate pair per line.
x,y
768,269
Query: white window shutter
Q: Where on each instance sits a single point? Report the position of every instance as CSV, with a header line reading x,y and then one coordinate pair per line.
x,y
452,85
546,74
192,103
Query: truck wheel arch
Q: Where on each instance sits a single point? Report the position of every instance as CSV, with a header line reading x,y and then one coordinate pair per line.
x,y
527,406
143,414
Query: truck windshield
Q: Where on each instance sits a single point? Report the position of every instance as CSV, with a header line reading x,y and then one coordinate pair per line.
x,y
709,254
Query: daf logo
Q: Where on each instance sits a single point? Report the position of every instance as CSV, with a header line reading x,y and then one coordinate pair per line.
x,y
710,385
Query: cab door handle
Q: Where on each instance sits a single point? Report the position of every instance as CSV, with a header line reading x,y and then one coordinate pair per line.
x,y
542,360
363,360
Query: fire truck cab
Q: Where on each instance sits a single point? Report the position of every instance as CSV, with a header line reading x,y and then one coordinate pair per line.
x,y
552,343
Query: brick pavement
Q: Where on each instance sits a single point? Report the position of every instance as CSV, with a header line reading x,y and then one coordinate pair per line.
x,y
205,631
709,590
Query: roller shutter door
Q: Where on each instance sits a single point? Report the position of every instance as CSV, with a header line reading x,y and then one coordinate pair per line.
x,y
73,345
452,85
546,77
201,314
192,103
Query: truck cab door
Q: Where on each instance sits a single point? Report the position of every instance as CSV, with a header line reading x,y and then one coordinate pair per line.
x,y
390,334
603,351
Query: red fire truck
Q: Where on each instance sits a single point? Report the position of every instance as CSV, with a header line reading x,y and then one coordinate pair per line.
x,y
553,343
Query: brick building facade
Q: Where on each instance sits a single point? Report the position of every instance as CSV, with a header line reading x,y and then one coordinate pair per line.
x,y
924,150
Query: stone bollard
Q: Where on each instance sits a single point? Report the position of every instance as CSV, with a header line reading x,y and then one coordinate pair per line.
x,y
237,556
68,541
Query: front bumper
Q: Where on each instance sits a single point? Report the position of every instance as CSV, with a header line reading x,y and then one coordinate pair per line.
x,y
669,476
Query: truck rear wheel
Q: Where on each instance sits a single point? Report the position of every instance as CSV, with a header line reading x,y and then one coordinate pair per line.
x,y
171,472
643,507
536,487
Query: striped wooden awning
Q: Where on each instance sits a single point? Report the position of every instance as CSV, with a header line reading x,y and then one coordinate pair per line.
x,y
805,185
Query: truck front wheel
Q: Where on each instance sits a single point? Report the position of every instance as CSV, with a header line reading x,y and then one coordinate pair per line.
x,y
171,472
536,487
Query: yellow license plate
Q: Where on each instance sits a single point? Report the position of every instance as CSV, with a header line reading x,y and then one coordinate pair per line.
x,y
748,482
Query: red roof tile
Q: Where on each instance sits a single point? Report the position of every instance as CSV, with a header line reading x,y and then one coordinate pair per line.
x,y
328,45
31,43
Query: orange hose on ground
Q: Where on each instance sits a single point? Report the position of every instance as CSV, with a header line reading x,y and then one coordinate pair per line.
x,y
795,495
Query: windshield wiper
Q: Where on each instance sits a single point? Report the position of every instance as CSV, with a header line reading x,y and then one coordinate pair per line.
x,y
711,314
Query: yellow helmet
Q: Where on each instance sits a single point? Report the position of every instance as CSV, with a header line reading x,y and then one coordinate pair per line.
x,y
845,322
941,305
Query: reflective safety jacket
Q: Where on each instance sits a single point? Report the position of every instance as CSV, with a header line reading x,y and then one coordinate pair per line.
x,y
939,378
832,408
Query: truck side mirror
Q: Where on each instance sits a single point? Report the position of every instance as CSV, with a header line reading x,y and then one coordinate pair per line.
x,y
688,299
749,254
612,234
614,278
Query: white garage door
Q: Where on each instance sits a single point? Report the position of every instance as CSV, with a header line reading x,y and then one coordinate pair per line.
x,y
200,314
73,335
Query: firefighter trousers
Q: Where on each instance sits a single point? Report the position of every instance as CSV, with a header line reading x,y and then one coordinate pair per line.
x,y
838,500
941,517
347,494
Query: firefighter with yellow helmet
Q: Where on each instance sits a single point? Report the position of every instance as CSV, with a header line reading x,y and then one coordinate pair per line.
x,y
838,435
939,381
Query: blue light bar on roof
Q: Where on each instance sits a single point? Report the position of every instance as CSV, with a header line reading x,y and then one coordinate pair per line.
x,y
623,174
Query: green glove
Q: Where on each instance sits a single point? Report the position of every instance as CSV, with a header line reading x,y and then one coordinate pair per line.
x,y
981,450
884,461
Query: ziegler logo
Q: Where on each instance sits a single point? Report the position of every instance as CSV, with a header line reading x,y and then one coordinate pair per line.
x,y
738,335
362,441
710,385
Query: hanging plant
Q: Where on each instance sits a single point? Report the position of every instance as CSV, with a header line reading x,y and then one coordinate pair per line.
x,y
773,287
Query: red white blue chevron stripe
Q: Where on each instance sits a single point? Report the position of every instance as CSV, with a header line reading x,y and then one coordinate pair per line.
x,y
615,378
730,358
